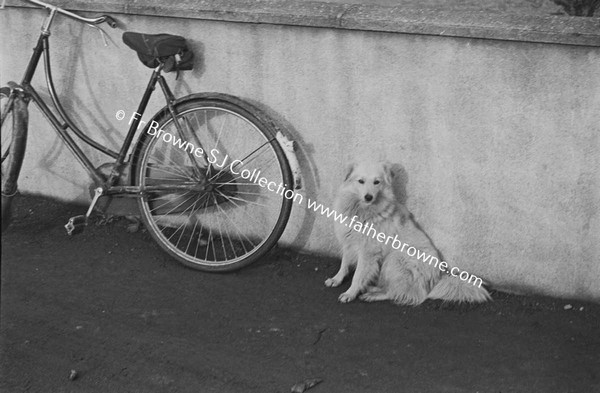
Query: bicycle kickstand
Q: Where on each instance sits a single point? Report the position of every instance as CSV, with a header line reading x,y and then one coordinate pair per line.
x,y
77,224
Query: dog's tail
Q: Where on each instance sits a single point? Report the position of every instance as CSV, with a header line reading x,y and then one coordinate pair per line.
x,y
453,289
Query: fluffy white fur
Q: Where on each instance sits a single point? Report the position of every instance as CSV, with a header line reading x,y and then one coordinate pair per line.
x,y
382,272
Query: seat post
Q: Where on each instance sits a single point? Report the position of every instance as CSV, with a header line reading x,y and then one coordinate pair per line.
x,y
171,106
166,91
115,173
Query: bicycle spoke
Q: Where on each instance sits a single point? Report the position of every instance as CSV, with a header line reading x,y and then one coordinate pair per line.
x,y
157,168
175,165
184,223
173,209
235,226
231,221
201,229
221,232
242,160
243,210
187,247
251,193
221,130
231,198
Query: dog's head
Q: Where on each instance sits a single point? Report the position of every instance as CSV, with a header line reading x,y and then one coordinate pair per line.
x,y
369,181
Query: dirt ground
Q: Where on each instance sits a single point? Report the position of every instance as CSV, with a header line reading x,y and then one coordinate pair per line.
x,y
127,318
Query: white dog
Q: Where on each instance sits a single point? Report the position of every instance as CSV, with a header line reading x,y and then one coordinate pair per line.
x,y
383,272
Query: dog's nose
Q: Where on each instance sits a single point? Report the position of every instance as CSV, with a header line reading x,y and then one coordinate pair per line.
x,y
368,197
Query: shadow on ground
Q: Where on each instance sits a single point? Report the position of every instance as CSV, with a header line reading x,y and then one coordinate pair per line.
x,y
110,305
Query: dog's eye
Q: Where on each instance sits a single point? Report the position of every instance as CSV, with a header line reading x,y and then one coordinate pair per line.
x,y
361,181
376,182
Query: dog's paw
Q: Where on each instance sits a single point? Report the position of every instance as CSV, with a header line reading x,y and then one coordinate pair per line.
x,y
332,282
365,297
346,297
371,297
373,294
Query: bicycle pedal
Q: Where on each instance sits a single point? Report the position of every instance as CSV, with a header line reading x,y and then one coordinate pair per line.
x,y
76,225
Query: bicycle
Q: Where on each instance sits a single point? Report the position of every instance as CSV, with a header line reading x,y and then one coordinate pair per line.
x,y
195,197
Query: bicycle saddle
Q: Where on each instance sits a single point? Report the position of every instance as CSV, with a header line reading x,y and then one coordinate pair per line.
x,y
171,49
155,45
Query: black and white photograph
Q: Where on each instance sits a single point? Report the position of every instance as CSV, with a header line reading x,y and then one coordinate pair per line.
x,y
321,196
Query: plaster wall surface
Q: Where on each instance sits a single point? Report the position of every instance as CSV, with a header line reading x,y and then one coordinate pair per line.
x,y
499,140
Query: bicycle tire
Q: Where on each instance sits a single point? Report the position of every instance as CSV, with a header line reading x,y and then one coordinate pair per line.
x,y
13,131
230,225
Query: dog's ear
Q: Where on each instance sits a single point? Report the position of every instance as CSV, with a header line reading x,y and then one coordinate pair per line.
x,y
348,171
388,172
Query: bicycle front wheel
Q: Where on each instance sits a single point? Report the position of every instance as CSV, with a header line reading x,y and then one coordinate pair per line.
x,y
13,133
243,197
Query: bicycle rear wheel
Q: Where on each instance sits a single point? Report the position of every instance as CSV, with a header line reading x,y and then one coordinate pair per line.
x,y
13,133
228,146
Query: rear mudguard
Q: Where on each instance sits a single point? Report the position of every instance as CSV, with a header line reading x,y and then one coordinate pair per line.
x,y
287,146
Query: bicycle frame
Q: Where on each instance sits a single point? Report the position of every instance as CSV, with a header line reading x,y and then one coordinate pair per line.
x,y
62,123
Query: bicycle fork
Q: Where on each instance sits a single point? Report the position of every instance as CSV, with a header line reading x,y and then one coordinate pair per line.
x,y
16,149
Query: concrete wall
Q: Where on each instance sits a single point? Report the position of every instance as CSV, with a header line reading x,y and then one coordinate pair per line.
x,y
499,138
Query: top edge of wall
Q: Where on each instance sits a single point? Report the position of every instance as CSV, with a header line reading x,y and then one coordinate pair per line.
x,y
565,30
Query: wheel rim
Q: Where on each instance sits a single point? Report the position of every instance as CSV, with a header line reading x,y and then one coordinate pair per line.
x,y
235,216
